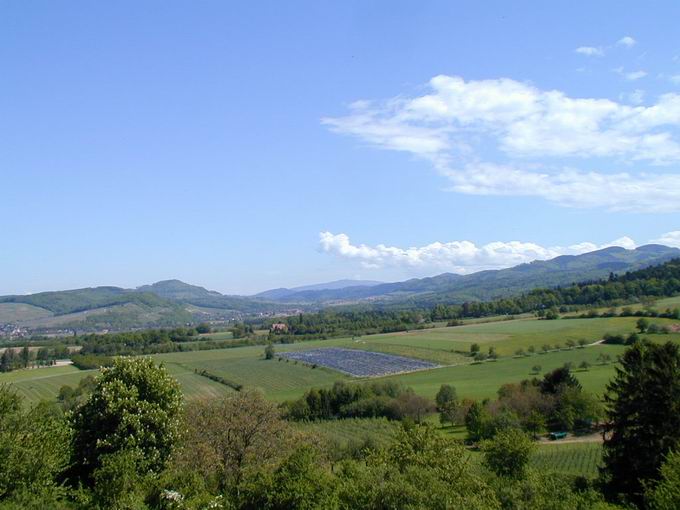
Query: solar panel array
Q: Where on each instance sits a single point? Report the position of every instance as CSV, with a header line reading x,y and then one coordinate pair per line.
x,y
358,363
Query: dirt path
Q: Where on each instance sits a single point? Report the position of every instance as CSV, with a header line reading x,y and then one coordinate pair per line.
x,y
590,438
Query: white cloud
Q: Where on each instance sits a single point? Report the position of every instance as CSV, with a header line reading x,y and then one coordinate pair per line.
x,y
627,41
675,79
520,126
456,256
635,75
572,188
669,239
590,51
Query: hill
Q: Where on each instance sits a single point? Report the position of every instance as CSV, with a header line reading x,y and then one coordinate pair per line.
x,y
93,309
176,290
484,285
283,293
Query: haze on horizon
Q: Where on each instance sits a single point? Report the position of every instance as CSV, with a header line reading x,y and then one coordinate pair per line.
x,y
245,147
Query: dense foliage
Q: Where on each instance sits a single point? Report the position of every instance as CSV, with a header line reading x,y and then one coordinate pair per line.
x,y
387,399
652,282
555,403
134,408
643,416
13,358
125,442
331,323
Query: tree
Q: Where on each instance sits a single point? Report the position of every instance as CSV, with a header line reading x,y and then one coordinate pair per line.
x,y
300,482
571,343
666,494
582,343
584,365
25,356
643,418
478,422
34,447
269,352
492,353
508,453
6,361
445,395
642,324
474,349
203,328
551,315
555,381
227,437
135,405
412,406
536,369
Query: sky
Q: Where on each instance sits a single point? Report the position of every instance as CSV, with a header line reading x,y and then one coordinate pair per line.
x,y
244,146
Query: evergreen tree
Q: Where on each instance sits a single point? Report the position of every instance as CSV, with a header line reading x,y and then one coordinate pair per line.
x,y
643,418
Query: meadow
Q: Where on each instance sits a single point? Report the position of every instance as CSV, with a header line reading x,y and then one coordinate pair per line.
x,y
448,346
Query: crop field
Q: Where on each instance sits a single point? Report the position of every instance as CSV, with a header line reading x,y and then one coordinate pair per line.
x,y
380,431
358,363
12,312
569,458
445,346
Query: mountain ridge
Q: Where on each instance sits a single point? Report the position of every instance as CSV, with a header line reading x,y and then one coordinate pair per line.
x,y
172,301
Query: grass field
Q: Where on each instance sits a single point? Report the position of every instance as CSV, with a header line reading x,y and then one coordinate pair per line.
x,y
508,336
281,380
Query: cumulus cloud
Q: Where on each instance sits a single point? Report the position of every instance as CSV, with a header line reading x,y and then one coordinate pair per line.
x,y
590,51
669,239
528,130
456,256
627,41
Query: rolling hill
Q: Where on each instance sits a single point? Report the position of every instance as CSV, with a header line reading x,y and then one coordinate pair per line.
x,y
173,302
483,285
283,293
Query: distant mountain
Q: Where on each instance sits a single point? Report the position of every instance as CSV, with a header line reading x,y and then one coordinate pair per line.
x,y
92,309
172,302
162,304
453,288
282,293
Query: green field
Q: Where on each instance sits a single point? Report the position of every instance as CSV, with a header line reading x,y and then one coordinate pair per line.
x,y
568,458
380,431
281,380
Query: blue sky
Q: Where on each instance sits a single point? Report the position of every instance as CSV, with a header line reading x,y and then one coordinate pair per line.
x,y
251,145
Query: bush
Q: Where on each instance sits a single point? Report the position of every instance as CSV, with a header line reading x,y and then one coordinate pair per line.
x,y
508,453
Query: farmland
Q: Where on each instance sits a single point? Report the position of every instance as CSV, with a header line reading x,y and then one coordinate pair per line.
x,y
446,346
569,458
358,363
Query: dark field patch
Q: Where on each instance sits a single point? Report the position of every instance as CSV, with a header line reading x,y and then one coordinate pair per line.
x,y
358,363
